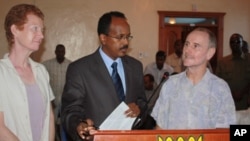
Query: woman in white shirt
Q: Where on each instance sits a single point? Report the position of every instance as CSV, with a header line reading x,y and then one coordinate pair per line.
x,y
25,93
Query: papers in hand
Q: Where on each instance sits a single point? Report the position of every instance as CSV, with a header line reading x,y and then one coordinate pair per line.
x,y
117,120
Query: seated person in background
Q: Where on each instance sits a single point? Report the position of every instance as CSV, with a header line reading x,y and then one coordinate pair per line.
x,y
174,59
235,70
150,87
195,98
159,67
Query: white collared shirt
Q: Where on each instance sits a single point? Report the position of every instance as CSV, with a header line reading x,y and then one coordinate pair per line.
x,y
14,100
108,62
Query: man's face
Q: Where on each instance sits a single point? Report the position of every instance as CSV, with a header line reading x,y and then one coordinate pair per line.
x,y
60,53
178,46
196,51
236,43
160,60
149,85
115,44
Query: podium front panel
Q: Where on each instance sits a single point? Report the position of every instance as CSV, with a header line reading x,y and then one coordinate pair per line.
x,y
163,135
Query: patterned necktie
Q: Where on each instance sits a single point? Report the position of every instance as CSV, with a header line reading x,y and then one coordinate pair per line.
x,y
117,82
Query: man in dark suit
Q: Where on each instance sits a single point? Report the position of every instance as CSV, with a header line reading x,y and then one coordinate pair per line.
x,y
89,94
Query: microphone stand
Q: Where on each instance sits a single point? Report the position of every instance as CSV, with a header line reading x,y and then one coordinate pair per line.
x,y
144,114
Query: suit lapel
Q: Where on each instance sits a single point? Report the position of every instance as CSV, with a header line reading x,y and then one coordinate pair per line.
x,y
107,80
127,73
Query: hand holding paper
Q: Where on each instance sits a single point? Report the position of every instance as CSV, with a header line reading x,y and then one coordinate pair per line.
x,y
118,120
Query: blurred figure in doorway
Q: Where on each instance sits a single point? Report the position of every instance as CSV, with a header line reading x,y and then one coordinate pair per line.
x,y
174,59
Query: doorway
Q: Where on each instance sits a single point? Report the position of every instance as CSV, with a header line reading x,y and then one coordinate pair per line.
x,y
170,29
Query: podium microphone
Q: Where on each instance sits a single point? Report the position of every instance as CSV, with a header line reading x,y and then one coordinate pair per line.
x,y
141,119
163,79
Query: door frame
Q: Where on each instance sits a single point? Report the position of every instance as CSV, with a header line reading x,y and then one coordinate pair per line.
x,y
218,16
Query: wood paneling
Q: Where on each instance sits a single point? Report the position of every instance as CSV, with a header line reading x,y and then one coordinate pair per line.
x,y
164,135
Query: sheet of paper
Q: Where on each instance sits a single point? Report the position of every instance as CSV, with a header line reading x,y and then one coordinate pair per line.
x,y
117,120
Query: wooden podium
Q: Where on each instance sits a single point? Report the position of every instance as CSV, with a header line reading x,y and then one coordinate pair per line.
x,y
163,135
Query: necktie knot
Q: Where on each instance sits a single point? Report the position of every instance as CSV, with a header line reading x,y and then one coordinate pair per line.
x,y
114,66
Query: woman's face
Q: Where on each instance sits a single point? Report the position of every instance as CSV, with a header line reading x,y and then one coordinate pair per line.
x,y
31,36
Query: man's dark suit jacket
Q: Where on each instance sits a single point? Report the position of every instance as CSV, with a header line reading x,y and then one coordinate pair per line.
x,y
89,91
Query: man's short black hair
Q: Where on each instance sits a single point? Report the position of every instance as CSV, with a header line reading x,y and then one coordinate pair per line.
x,y
150,76
105,21
161,53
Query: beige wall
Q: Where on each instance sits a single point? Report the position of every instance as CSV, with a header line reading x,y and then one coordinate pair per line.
x,y
74,22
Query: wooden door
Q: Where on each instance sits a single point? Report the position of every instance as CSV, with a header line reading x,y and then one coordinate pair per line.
x,y
169,33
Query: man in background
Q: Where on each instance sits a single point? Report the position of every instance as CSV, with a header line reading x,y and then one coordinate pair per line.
x,y
57,68
150,87
174,59
159,67
235,70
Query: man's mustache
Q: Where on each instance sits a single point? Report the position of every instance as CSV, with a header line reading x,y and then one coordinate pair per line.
x,y
124,47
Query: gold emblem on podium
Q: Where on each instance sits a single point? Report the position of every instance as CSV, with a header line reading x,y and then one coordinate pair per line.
x,y
180,138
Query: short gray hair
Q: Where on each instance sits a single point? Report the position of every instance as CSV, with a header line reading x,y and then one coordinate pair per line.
x,y
211,35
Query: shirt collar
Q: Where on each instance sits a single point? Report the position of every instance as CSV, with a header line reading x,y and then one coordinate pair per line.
x,y
107,60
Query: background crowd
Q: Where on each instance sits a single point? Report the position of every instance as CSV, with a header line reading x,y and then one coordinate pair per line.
x,y
68,95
